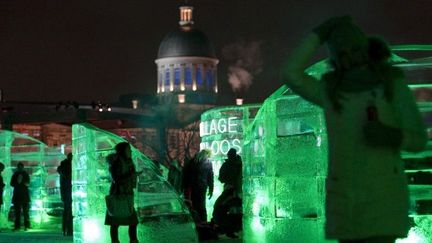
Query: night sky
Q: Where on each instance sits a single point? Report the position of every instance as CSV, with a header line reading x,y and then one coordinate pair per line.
x,y
88,50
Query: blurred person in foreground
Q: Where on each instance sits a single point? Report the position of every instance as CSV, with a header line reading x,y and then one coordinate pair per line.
x,y
371,115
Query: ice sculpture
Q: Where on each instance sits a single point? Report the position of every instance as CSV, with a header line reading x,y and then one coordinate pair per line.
x,y
285,151
222,129
418,166
162,214
41,162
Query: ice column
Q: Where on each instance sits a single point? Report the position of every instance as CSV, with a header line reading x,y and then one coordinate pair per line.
x,y
285,164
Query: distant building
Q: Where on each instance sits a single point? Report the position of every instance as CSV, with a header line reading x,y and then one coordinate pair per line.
x,y
187,65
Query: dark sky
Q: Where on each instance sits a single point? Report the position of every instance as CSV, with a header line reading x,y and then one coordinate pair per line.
x,y
88,50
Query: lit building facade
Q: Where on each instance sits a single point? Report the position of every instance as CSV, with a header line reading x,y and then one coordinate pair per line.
x,y
186,65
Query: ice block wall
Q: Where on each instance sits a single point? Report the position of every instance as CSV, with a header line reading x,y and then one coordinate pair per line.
x,y
39,161
5,158
285,162
418,166
222,129
52,202
162,214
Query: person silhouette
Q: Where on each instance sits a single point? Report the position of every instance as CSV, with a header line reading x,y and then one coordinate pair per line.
x,y
21,198
124,179
175,176
65,171
197,178
230,174
371,115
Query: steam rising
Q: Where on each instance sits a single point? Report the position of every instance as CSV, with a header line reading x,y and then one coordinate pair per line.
x,y
245,62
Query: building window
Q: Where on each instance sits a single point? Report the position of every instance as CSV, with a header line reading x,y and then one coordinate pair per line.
x,y
181,98
176,76
160,81
167,77
199,80
209,79
188,76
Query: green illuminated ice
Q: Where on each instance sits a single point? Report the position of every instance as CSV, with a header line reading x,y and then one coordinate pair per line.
x,y
162,214
284,169
41,162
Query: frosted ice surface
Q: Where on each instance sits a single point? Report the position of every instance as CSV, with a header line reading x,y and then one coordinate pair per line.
x,y
41,163
161,212
285,166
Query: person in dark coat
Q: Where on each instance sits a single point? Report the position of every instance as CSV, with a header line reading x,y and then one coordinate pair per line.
x,y
21,198
175,176
124,179
229,220
2,185
65,171
197,178
231,172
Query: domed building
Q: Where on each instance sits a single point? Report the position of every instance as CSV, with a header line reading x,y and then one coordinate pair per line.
x,y
186,65
165,129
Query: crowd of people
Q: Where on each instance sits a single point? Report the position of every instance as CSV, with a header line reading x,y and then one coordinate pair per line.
x,y
194,181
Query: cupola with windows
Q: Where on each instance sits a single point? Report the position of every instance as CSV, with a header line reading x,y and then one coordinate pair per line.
x,y
186,64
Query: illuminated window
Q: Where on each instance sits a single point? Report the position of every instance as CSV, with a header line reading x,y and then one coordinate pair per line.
x,y
239,101
135,104
167,77
177,76
160,81
188,76
181,98
209,79
199,77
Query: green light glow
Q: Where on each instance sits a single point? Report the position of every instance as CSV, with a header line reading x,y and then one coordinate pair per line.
x,y
261,200
257,226
37,204
411,47
413,237
91,231
37,218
